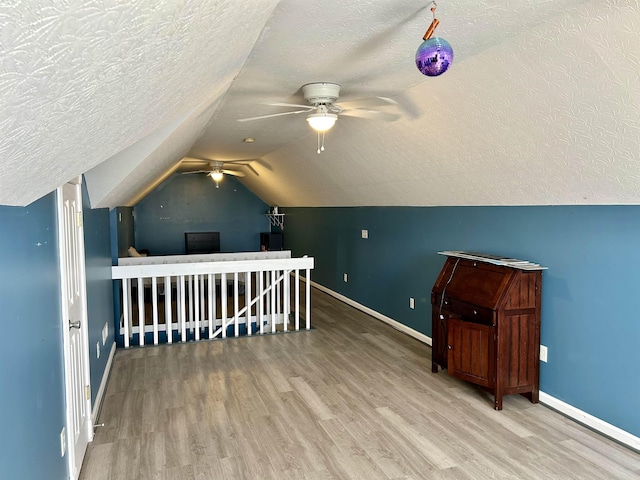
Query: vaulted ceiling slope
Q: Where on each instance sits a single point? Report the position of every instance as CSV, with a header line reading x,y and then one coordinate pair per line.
x,y
539,107
85,82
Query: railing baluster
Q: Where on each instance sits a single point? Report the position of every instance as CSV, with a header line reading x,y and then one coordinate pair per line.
x,y
307,309
179,313
248,299
223,301
210,302
182,320
273,301
168,320
236,327
130,306
196,302
276,286
297,303
140,312
286,299
215,301
190,302
126,315
260,309
267,300
203,316
154,300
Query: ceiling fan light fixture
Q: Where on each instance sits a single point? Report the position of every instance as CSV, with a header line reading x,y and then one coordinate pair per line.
x,y
216,175
321,122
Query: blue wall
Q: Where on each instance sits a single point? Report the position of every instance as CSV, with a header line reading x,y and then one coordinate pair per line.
x,y
192,203
590,300
31,360
100,307
32,403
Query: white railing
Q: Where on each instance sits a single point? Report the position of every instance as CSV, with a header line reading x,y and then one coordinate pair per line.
x,y
192,301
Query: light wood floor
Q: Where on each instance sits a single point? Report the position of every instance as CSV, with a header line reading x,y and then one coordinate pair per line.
x,y
351,399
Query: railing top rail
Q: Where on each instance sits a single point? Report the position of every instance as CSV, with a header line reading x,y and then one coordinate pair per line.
x,y
206,257
239,266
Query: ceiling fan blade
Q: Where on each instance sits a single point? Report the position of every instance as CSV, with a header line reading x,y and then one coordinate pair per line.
x,y
234,173
196,171
366,102
194,163
272,115
252,169
241,162
308,107
371,115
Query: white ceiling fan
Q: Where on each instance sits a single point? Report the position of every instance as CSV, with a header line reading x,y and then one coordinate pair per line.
x,y
323,108
216,169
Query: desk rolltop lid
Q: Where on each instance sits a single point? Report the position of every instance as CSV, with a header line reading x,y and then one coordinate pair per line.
x,y
494,259
483,281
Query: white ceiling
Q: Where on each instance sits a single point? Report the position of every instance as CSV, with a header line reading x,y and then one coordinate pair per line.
x,y
541,105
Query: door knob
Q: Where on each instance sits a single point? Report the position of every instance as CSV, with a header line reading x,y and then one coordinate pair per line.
x,y
74,324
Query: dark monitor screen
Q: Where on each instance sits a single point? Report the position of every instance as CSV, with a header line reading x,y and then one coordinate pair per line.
x,y
202,242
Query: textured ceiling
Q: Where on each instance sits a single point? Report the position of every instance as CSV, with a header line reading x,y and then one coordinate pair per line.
x,y
540,106
82,81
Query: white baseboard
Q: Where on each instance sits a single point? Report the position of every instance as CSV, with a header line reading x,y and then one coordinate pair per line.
x,y
394,323
590,421
103,385
570,411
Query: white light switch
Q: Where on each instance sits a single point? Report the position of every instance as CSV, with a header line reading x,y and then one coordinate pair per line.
x,y
345,277
412,303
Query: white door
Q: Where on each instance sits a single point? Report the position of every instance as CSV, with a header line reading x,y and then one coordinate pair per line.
x,y
79,430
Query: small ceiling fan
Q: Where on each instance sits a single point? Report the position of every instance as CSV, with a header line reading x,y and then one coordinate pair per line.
x,y
216,169
323,108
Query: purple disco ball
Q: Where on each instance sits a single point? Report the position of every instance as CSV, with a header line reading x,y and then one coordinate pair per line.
x,y
434,56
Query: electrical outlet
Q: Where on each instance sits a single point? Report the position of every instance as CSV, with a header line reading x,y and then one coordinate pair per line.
x,y
98,350
543,353
345,278
412,303
63,442
365,233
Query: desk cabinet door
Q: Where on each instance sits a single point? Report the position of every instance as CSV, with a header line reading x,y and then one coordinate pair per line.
x,y
471,352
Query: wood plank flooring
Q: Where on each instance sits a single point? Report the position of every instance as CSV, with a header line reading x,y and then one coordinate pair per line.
x,y
351,399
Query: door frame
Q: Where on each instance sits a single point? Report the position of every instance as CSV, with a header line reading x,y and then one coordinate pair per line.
x,y
74,471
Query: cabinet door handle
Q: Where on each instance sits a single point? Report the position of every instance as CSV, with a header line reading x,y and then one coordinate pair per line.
x,y
475,312
449,347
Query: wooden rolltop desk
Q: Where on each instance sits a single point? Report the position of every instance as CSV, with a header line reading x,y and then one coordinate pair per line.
x,y
486,323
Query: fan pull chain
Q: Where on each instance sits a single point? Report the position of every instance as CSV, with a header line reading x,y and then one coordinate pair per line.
x,y
320,145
